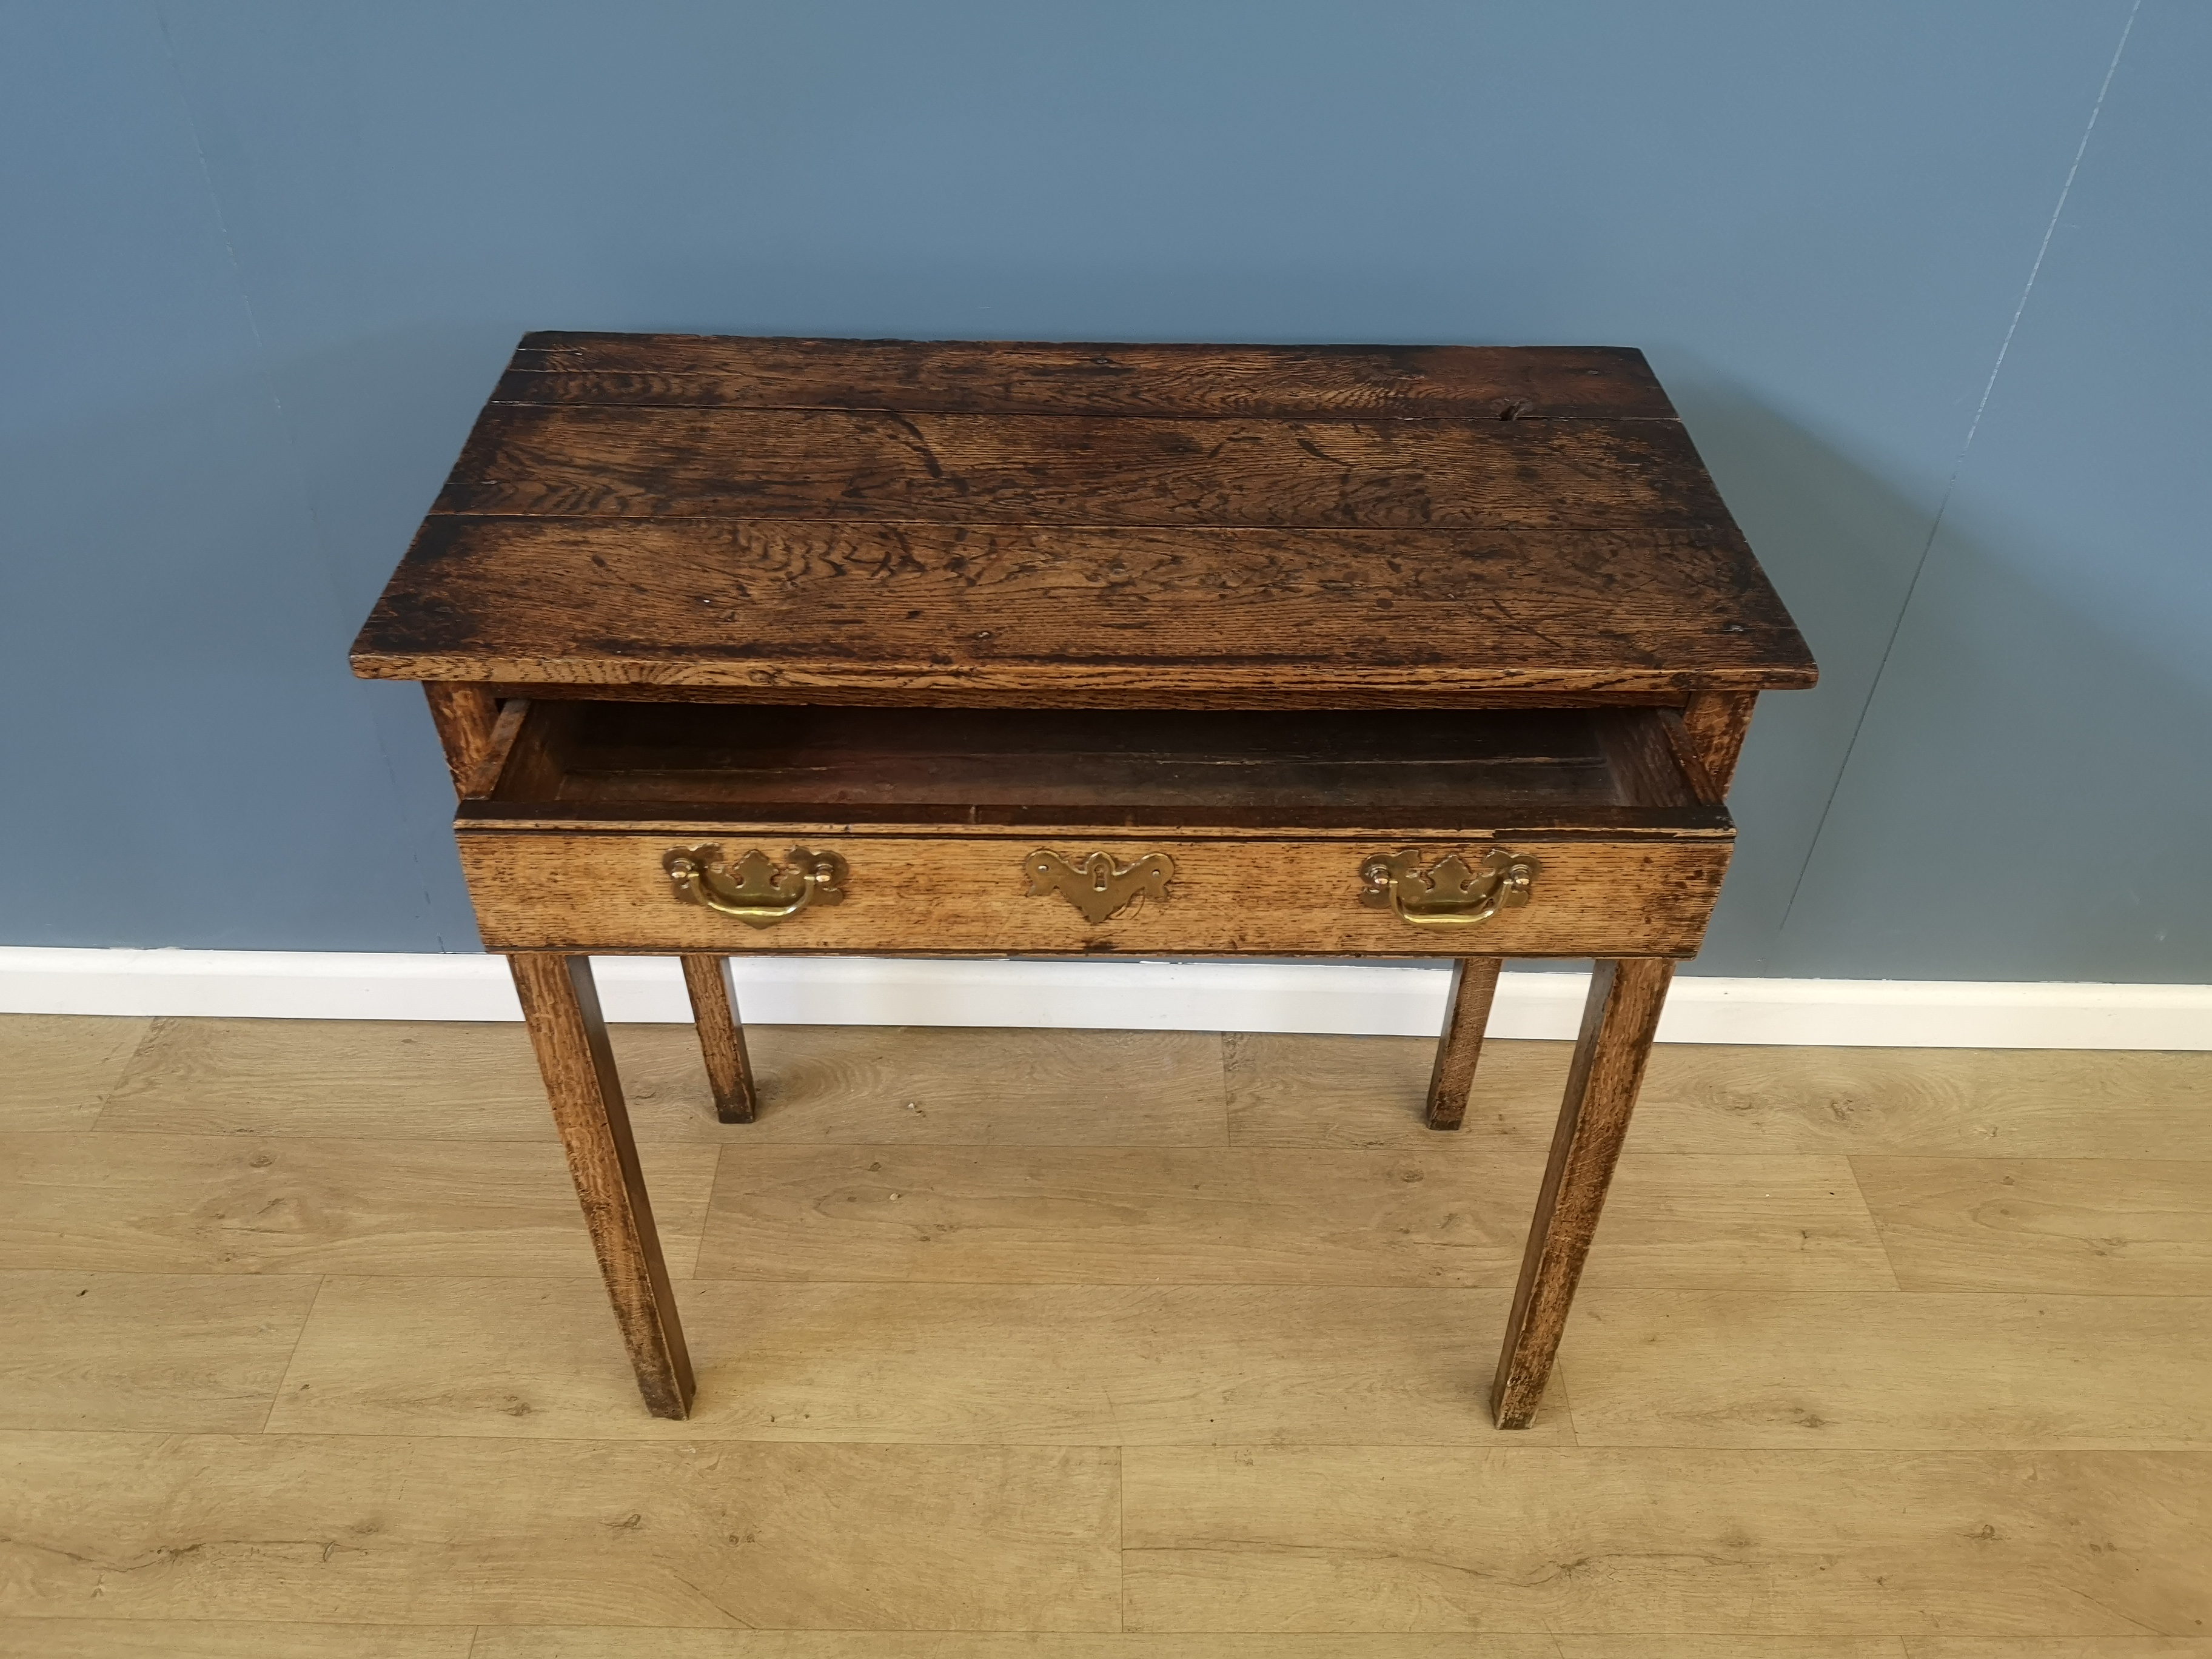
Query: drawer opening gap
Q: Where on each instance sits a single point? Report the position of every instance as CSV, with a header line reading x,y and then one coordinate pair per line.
x,y
1599,768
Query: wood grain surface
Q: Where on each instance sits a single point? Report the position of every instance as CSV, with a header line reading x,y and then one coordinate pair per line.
x,y
713,996
1802,1541
1296,1090
2086,1225
937,1364
1459,1045
1004,377
456,1531
1039,614
450,1082
2057,1647
2018,1102
169,1350
465,716
659,463
1716,722
339,1079
1757,1447
173,1639
1442,1214
60,1068
296,1205
1227,526
1699,1368
1375,1090
200,1638
603,1643
541,890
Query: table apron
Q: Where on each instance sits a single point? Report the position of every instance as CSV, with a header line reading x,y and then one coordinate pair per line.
x,y
548,890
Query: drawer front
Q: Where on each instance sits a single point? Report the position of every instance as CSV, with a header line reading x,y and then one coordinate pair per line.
x,y
545,890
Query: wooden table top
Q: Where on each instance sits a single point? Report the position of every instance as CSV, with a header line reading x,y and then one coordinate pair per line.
x,y
991,523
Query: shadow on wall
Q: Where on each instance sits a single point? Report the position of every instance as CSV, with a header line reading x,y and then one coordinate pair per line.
x,y
1840,544
1989,731
383,418
201,647
2029,798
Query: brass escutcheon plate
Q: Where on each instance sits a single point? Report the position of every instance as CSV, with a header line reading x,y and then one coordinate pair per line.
x,y
1099,887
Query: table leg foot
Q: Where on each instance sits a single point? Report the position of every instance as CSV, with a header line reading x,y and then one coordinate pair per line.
x,y
721,1037
1619,1022
1466,1013
562,1006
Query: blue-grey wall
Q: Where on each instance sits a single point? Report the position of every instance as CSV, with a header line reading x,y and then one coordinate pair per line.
x,y
1928,281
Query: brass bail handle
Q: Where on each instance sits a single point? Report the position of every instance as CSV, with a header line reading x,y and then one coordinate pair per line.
x,y
757,892
1451,894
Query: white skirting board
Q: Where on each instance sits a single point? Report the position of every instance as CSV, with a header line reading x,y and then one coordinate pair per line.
x,y
1360,998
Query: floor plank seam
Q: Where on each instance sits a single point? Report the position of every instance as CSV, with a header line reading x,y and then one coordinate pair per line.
x,y
2049,1451
1121,1541
1880,1233
276,1394
130,1060
1228,1105
155,1028
1509,1442
2072,1647
1669,1287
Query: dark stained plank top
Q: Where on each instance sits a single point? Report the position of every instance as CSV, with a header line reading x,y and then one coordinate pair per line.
x,y
899,609
1227,526
988,377
660,462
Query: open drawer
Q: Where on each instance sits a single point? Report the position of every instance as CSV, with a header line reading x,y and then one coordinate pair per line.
x,y
723,828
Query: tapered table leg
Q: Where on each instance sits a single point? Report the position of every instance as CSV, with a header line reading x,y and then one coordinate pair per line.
x,y
721,1037
1474,986
562,1006
1619,1022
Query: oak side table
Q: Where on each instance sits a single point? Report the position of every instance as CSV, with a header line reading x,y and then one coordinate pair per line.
x,y
894,647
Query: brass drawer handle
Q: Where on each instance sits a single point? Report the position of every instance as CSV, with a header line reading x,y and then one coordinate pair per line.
x,y
1453,894
1099,887
759,894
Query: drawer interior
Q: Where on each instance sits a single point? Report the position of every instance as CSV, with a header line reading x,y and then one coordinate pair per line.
x,y
1595,768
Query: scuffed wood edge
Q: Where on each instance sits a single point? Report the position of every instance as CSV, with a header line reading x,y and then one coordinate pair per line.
x,y
1715,723
484,775
465,715
1467,1014
714,993
1067,685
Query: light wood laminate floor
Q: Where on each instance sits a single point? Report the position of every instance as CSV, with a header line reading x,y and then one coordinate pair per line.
x,y
1053,1345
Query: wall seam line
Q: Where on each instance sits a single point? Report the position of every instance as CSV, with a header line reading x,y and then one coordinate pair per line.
x,y
1958,466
